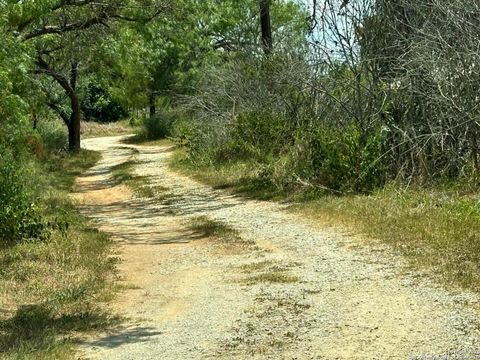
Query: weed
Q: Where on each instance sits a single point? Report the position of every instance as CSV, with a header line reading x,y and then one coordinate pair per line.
x,y
279,277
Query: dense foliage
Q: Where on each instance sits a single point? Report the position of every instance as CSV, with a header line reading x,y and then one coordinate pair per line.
x,y
386,91
99,105
350,96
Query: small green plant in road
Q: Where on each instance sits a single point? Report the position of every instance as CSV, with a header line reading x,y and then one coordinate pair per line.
x,y
268,271
272,277
257,266
207,227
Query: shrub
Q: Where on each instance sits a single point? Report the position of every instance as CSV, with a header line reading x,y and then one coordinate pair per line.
x,y
99,105
159,126
35,145
346,160
19,216
262,133
53,134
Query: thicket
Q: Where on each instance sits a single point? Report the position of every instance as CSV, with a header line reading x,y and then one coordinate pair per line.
x,y
98,104
24,159
387,90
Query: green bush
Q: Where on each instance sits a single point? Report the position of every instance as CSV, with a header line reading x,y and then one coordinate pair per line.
x,y
262,133
19,216
99,105
159,126
184,131
53,134
346,160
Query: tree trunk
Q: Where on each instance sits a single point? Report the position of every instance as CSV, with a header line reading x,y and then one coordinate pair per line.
x,y
151,105
74,125
69,85
266,25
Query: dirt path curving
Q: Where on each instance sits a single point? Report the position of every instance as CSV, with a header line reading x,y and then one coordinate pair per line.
x,y
292,292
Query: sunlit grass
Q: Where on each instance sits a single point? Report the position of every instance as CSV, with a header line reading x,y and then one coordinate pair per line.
x,y
53,288
437,230
91,129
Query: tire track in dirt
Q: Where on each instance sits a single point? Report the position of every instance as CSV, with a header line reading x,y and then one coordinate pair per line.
x,y
299,293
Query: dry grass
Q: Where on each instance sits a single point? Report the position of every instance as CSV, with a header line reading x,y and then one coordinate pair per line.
x,y
52,289
437,230
142,142
90,129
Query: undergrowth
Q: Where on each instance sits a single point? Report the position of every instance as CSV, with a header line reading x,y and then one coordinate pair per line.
x,y
52,288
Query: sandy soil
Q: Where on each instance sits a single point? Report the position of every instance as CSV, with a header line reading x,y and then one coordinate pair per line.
x,y
188,297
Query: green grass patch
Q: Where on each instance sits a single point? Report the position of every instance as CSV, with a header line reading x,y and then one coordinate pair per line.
x,y
53,288
436,229
268,271
65,167
258,266
124,174
273,276
206,227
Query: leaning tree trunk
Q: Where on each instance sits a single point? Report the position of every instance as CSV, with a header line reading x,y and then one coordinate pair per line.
x,y
74,126
69,85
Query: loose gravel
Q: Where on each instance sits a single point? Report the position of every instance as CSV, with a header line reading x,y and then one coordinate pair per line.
x,y
294,291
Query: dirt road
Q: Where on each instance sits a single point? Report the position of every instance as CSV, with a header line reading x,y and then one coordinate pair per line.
x,y
290,290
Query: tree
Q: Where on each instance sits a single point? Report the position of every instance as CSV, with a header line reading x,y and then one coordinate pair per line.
x,y
62,31
152,61
266,26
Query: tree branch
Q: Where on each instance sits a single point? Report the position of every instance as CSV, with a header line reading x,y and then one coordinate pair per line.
x,y
80,25
44,68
